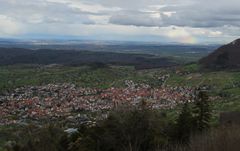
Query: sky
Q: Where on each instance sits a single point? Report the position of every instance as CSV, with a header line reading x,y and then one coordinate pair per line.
x,y
164,21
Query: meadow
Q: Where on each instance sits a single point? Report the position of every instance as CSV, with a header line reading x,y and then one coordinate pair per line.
x,y
225,84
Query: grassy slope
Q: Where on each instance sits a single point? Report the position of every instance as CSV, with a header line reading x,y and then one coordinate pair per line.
x,y
221,82
17,76
224,83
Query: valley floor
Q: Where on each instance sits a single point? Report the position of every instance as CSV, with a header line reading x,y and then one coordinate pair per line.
x,y
84,95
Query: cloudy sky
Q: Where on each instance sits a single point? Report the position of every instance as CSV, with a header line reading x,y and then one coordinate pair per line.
x,y
182,21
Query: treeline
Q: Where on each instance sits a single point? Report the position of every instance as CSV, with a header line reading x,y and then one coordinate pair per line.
x,y
12,56
135,129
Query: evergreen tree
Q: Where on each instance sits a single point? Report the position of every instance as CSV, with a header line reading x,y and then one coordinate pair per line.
x,y
184,124
202,111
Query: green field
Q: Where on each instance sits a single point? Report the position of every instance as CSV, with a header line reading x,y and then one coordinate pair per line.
x,y
222,83
17,76
225,84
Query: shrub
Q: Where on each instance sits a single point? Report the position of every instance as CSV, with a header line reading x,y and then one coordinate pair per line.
x,y
126,130
221,139
32,138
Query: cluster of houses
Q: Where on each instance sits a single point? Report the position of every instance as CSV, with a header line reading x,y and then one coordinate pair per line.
x,y
71,103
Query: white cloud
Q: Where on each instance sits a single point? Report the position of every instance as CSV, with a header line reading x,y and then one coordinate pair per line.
x,y
185,21
136,18
204,13
8,26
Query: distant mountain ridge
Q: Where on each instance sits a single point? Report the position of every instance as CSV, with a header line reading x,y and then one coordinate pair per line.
x,y
13,56
225,57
